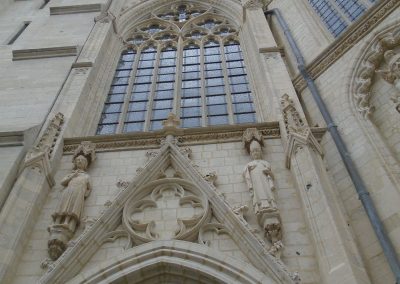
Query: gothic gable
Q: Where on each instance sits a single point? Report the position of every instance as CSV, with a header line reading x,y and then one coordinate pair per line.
x,y
139,211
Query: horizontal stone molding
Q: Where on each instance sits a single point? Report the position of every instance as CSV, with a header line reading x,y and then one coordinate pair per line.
x,y
15,138
82,64
192,136
46,52
271,49
74,9
345,42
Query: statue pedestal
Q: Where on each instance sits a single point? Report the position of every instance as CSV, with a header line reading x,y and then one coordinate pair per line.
x,y
60,234
269,220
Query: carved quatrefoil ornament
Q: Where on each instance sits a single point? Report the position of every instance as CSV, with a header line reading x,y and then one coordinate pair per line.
x,y
168,208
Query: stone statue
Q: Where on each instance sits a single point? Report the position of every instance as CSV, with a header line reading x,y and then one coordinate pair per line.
x,y
77,188
69,211
259,180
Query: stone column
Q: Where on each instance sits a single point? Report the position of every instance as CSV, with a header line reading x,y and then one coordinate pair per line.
x,y
338,256
26,199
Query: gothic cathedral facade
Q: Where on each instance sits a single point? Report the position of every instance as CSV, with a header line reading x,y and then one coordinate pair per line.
x,y
200,141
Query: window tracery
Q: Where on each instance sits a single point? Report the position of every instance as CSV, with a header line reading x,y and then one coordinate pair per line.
x,y
185,60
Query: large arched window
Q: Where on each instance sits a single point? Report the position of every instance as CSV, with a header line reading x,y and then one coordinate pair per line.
x,y
337,15
185,60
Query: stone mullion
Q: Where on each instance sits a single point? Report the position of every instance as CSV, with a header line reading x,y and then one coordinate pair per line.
x,y
342,14
178,77
204,112
226,83
128,94
152,90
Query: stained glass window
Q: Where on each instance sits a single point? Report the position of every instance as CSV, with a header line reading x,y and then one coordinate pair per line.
x,y
199,75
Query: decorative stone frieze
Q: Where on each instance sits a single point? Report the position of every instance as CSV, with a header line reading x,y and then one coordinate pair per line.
x,y
189,136
77,188
259,179
391,73
377,52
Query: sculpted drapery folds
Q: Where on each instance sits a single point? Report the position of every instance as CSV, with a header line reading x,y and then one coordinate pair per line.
x,y
69,211
259,179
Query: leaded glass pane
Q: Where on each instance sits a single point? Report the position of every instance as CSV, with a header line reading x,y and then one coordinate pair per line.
x,y
217,109
169,94
133,127
109,117
191,122
156,125
118,89
218,120
188,93
137,106
191,112
245,118
214,100
119,98
190,102
120,81
110,108
137,97
106,129
135,116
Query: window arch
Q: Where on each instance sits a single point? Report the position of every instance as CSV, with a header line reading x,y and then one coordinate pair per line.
x,y
186,60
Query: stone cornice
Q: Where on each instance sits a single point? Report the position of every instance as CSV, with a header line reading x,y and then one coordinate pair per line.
x,y
46,52
190,136
345,42
73,9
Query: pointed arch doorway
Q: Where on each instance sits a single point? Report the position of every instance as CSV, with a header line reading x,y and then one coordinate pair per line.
x,y
172,262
